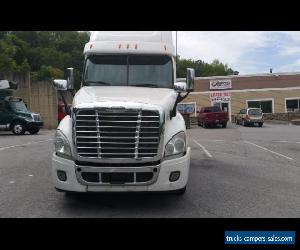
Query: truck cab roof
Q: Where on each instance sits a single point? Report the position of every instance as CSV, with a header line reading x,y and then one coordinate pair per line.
x,y
13,99
135,42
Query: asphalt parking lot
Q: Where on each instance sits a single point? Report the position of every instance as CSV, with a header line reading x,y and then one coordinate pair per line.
x,y
235,172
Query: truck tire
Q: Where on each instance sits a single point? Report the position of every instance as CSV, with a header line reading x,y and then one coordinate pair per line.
x,y
18,128
260,124
33,131
224,125
204,125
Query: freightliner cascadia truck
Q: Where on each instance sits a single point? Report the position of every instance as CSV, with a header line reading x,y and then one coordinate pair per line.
x,y
123,132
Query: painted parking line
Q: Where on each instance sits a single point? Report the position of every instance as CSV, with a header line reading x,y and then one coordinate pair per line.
x,y
273,152
204,149
213,140
288,142
22,145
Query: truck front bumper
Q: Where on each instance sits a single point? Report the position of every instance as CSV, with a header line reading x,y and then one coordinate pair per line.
x,y
35,124
162,182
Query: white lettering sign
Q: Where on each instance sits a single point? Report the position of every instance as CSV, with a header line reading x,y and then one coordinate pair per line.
x,y
220,96
220,84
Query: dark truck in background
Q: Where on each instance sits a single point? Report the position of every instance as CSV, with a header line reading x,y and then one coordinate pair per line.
x,y
14,114
212,116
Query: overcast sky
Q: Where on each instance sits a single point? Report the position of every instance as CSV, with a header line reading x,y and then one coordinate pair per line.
x,y
248,52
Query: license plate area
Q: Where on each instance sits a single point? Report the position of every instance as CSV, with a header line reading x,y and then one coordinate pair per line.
x,y
117,178
106,176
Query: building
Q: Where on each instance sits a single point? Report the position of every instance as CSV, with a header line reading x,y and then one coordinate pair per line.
x,y
277,93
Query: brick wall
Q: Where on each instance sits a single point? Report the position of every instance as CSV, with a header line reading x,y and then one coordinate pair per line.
x,y
239,99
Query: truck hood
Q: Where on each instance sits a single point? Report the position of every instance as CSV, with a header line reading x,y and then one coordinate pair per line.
x,y
129,97
22,113
29,113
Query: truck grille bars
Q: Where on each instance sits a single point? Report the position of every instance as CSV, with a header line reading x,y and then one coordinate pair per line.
x,y
117,133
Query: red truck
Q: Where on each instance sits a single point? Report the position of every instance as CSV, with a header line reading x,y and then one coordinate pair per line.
x,y
208,116
61,111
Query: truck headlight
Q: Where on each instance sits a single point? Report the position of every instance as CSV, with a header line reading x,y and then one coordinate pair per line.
x,y
62,146
176,147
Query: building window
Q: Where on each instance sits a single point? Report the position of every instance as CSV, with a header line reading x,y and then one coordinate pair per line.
x,y
265,105
292,105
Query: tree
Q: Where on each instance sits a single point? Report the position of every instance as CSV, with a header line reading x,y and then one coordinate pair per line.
x,y
12,53
216,68
47,54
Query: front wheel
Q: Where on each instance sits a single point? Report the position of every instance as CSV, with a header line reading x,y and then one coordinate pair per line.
x,y
224,125
33,131
18,128
260,124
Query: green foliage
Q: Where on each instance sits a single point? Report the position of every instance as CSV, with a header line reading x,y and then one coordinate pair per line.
x,y
49,73
47,54
12,53
216,68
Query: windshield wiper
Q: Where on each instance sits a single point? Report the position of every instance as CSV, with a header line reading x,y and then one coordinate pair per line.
x,y
145,85
97,83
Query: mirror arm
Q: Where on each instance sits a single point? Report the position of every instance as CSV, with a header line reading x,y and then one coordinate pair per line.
x,y
179,99
73,92
68,111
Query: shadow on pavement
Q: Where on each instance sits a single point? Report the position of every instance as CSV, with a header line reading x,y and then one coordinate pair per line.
x,y
121,203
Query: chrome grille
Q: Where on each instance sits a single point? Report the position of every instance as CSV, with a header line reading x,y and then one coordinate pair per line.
x,y
117,133
37,118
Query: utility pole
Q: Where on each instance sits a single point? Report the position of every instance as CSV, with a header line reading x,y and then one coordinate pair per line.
x,y
176,46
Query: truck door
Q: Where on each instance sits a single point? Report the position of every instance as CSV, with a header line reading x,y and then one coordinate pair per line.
x,y
5,113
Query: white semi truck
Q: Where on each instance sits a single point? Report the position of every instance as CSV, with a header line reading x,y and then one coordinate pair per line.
x,y
123,132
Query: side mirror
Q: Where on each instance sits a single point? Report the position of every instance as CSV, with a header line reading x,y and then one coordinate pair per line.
x,y
65,85
190,79
60,84
70,78
180,86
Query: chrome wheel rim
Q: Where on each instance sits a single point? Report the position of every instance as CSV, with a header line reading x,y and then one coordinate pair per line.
x,y
18,128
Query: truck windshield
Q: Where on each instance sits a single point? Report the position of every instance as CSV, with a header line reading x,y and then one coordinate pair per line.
x,y
129,70
18,106
254,112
